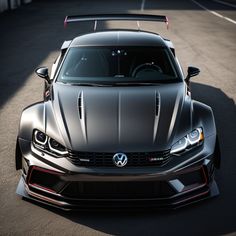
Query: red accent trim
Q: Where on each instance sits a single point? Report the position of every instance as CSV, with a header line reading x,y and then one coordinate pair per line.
x,y
196,187
188,170
65,22
29,175
167,22
41,187
46,170
59,203
199,186
204,174
42,170
192,170
44,198
195,196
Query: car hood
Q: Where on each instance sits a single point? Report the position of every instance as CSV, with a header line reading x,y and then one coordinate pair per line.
x,y
111,119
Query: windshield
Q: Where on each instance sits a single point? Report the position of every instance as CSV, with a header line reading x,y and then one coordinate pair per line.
x,y
111,65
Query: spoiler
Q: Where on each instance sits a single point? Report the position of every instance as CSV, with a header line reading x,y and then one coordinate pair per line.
x,y
118,17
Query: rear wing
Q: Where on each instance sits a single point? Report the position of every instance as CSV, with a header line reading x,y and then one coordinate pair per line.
x,y
117,17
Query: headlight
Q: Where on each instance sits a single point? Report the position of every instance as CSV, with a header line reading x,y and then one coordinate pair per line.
x,y
40,137
56,147
43,142
190,140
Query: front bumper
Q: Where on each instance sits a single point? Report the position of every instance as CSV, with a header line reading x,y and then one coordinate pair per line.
x,y
70,188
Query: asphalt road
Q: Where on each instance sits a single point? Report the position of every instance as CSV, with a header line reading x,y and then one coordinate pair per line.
x,y
31,36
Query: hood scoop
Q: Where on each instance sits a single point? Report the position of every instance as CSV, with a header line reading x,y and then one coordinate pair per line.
x,y
157,103
81,114
120,119
80,105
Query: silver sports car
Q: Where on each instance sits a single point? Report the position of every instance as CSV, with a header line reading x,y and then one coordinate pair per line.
x,y
117,127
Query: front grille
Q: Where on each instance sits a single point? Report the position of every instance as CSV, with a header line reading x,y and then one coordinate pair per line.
x,y
117,190
106,159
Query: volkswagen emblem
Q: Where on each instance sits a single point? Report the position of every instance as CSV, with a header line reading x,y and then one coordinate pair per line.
x,y
120,159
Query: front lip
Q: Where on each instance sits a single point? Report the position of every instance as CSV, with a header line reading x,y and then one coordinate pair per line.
x,y
202,191
113,204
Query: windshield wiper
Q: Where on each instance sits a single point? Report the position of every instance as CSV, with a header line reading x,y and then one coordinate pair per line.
x,y
135,84
88,84
112,84
92,84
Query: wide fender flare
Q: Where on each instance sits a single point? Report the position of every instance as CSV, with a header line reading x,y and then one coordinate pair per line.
x,y
202,116
39,116
32,117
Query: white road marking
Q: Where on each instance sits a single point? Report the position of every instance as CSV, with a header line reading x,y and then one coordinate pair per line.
x,y
225,3
215,13
143,5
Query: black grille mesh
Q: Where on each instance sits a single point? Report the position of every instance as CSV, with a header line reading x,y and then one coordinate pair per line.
x,y
106,159
118,190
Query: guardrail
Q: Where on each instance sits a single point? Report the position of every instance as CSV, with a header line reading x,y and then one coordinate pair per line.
x,y
11,4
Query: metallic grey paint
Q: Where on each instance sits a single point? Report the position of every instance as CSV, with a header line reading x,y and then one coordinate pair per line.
x,y
118,119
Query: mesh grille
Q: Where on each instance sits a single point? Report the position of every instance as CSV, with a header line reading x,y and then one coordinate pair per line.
x,y
106,159
117,190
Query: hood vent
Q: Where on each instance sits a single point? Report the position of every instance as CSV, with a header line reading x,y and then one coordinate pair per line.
x,y
157,105
80,105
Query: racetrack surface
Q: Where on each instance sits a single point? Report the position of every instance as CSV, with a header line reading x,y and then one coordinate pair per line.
x,y
32,35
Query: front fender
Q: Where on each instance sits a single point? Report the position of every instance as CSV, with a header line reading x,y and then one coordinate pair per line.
x,y
203,116
32,117
39,116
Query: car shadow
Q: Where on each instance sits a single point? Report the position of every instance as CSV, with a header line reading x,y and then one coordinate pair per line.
x,y
210,217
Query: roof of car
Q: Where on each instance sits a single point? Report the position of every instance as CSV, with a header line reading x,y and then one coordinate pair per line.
x,y
119,38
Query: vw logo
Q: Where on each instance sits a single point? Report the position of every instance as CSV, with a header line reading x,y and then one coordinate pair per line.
x,y
120,159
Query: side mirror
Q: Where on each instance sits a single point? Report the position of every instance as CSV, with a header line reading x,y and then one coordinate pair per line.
x,y
43,73
192,71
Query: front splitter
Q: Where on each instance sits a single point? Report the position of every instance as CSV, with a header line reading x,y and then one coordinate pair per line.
x,y
108,204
